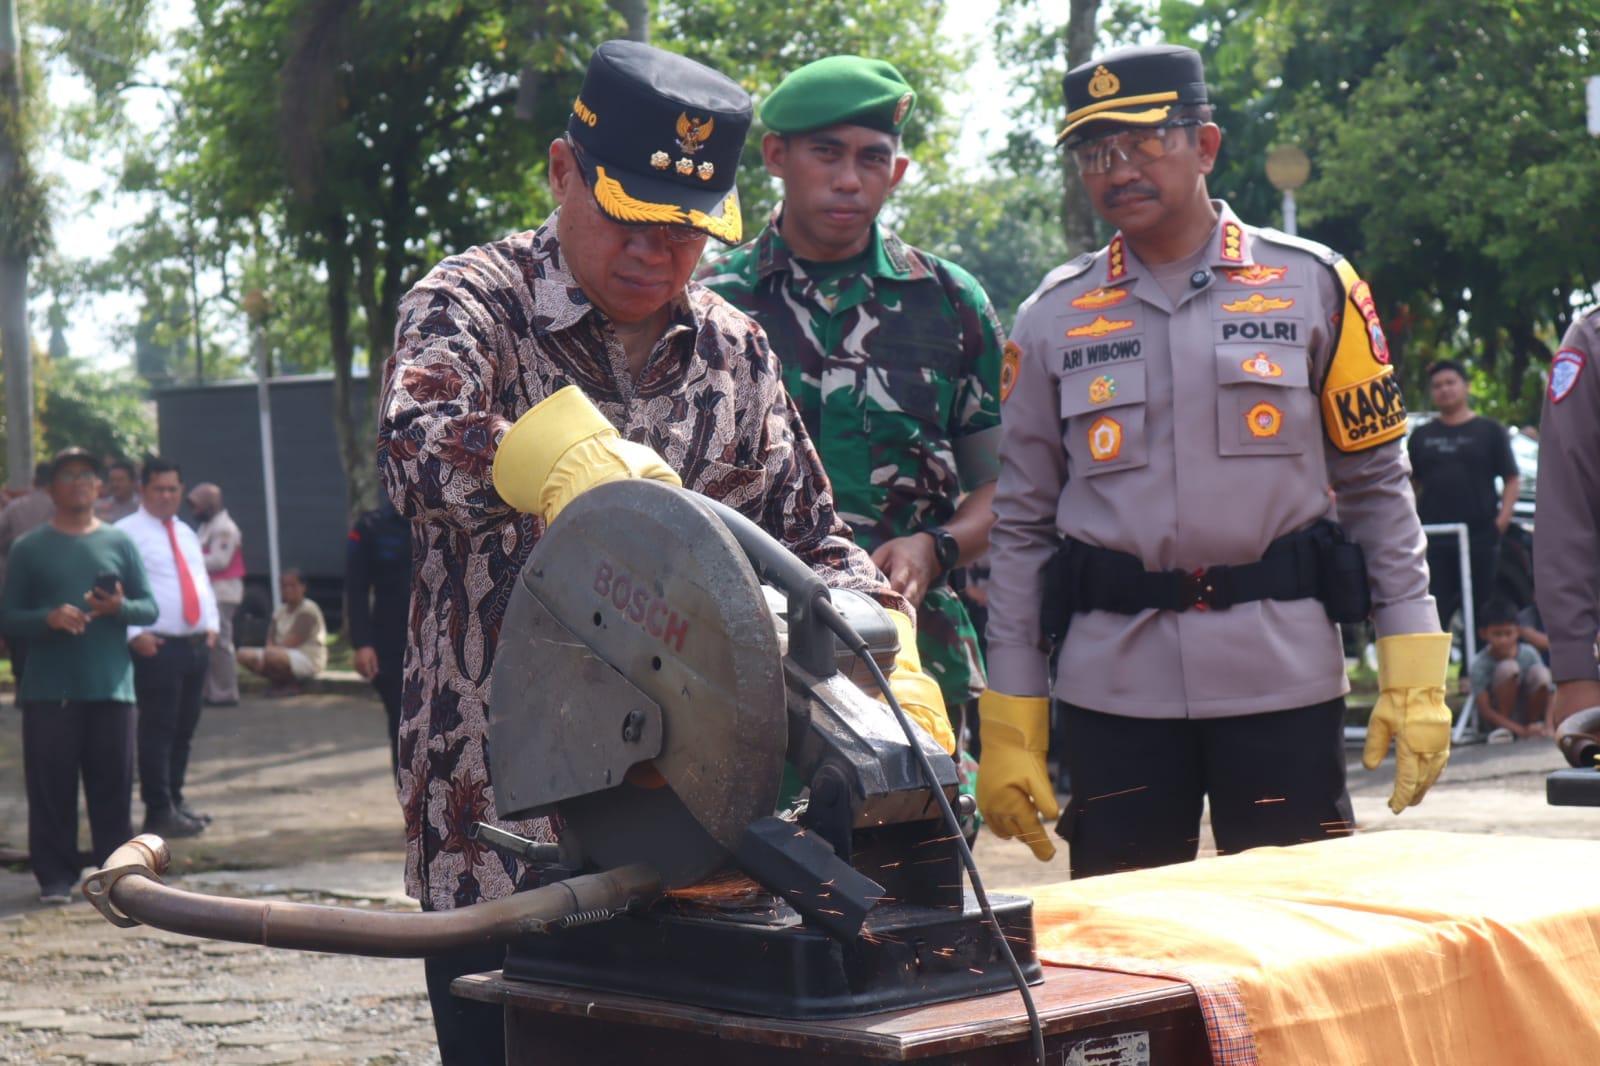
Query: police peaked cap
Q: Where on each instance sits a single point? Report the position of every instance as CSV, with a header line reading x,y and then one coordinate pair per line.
x,y
1138,86
659,138
839,90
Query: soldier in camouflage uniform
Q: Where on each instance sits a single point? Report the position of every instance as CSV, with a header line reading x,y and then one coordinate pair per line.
x,y
892,354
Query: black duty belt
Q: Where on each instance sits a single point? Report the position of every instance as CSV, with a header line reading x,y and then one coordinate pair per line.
x,y
1315,562
191,638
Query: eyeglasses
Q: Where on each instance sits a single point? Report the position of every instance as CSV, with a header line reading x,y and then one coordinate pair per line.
x,y
672,234
1136,147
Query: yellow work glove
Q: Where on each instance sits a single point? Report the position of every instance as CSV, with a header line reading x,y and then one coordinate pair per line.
x,y
917,693
1014,788
562,448
1411,711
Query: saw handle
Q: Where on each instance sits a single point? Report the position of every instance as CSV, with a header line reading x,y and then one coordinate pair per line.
x,y
810,636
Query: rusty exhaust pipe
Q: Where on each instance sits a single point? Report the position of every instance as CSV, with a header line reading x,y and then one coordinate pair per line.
x,y
129,891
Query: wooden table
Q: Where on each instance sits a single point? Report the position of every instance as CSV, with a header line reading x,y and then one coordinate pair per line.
x,y
1088,1016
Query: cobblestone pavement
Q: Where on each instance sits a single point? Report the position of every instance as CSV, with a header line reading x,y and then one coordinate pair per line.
x,y
304,809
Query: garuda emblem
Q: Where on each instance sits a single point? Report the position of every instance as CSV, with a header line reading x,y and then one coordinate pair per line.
x,y
693,133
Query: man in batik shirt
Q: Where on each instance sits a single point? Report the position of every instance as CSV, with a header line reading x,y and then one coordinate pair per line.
x,y
589,320
892,354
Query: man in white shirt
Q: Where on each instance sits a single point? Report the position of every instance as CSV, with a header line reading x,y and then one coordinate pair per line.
x,y
171,657
224,552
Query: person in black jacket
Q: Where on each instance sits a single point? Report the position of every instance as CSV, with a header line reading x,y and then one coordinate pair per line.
x,y
378,591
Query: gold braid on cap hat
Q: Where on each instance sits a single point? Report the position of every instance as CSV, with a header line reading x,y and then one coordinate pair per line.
x,y
616,202
725,224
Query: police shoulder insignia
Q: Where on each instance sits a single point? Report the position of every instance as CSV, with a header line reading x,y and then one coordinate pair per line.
x,y
1361,401
1116,259
1564,371
1010,363
1232,242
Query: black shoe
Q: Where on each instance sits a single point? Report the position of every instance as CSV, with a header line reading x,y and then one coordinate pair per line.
x,y
172,825
187,811
56,895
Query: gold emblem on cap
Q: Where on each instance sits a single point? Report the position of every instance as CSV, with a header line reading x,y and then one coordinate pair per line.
x,y
660,160
705,170
685,165
693,134
902,107
1104,83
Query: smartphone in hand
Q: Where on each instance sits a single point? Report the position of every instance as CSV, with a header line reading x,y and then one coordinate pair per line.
x,y
106,583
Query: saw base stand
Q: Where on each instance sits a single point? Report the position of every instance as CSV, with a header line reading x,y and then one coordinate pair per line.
x,y
764,961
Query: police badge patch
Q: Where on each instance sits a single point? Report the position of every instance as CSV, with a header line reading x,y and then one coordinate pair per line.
x,y
1564,371
1010,361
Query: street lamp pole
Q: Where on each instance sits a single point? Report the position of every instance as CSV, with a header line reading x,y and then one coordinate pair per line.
x,y
1287,169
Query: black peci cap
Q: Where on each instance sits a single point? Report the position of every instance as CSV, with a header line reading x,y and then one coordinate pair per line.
x,y
1136,86
659,138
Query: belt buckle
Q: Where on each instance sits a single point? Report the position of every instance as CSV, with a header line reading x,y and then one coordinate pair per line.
x,y
1207,589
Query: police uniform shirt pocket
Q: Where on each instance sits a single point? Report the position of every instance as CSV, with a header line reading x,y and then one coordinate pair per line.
x,y
1264,399
1103,419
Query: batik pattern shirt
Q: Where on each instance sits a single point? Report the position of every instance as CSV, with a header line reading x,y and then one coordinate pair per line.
x,y
483,338
896,370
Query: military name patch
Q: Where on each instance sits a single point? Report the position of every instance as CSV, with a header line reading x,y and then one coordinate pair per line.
x,y
1257,274
1105,438
1564,371
1262,367
1260,331
1264,420
1095,354
1257,304
1101,326
1366,413
1095,299
1010,363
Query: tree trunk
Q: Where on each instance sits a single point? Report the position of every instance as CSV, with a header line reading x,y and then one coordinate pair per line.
x,y
16,355
356,452
1077,213
637,14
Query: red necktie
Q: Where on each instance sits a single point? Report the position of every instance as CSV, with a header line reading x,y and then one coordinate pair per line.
x,y
191,596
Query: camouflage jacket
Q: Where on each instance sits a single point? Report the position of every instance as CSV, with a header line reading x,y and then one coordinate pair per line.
x,y
896,370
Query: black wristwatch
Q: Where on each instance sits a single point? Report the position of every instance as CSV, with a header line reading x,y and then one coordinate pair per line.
x,y
946,548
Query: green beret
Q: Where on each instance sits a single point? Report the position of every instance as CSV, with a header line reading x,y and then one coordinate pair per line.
x,y
839,89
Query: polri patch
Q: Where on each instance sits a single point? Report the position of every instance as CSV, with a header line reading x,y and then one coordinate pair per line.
x,y
1010,363
1564,371
1264,420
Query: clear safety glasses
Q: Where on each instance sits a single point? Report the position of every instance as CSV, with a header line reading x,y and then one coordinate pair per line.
x,y
1136,147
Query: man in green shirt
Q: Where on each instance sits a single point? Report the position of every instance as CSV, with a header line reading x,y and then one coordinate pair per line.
x,y
72,588
892,354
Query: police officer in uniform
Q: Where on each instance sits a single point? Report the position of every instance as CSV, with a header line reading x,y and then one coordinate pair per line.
x,y
892,354
1566,559
1175,409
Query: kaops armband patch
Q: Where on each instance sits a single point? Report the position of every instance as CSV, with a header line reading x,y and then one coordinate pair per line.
x,y
1362,405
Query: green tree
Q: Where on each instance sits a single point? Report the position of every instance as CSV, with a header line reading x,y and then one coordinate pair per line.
x,y
365,141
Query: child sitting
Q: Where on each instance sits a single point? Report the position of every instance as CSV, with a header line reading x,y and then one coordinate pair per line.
x,y
1510,683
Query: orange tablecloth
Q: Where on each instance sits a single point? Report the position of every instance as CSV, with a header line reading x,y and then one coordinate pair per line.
x,y
1390,948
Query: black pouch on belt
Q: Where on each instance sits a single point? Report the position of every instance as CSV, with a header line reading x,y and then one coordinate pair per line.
x,y
1342,583
1060,582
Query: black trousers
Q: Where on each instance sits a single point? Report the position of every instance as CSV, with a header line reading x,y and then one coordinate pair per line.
x,y
60,742
389,683
1444,570
170,687
470,1032
1138,784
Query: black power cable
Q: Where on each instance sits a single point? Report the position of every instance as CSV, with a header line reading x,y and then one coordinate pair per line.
x,y
835,621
